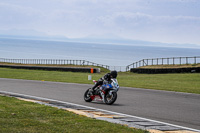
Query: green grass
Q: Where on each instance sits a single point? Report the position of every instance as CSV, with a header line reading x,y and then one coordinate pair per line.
x,y
57,76
18,116
55,65
186,82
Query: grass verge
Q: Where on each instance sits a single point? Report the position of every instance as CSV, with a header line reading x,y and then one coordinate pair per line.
x,y
185,82
20,116
54,65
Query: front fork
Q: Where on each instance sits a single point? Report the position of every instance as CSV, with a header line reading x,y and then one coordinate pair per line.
x,y
103,94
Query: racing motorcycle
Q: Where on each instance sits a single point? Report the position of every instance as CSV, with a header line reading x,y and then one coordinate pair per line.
x,y
106,93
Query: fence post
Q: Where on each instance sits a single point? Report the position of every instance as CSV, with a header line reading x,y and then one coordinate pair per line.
x,y
186,60
168,61
147,62
195,60
143,62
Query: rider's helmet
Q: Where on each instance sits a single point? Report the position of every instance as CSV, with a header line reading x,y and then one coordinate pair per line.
x,y
107,77
114,74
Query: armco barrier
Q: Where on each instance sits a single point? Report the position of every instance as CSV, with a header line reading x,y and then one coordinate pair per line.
x,y
165,61
71,69
52,62
166,70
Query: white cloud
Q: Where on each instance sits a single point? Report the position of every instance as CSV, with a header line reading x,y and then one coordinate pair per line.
x,y
153,20
15,16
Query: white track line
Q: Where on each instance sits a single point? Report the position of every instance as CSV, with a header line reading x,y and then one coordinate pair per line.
x,y
35,97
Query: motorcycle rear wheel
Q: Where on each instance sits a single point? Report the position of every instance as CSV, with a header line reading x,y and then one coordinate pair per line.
x,y
110,99
87,97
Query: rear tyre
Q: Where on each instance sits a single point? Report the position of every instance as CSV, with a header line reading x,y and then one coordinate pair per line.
x,y
110,99
87,96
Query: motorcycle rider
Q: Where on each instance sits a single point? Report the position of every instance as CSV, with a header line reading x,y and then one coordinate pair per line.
x,y
106,79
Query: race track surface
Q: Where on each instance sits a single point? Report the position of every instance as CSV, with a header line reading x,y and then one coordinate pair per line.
x,y
181,109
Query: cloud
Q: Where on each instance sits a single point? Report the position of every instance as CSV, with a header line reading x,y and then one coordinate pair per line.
x,y
15,16
154,20
129,19
145,26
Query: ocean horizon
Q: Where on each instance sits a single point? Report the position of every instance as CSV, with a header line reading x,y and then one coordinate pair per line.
x,y
106,54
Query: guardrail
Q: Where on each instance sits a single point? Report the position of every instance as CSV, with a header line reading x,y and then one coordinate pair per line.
x,y
144,62
52,62
164,61
51,68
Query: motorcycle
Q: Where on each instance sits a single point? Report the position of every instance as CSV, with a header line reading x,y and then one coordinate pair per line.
x,y
106,93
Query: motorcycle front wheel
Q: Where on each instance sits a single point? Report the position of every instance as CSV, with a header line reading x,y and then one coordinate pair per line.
x,y
87,97
110,98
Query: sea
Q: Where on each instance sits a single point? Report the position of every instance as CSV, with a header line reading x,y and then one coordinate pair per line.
x,y
106,54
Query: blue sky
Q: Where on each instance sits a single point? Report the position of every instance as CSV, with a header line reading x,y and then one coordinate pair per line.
x,y
168,21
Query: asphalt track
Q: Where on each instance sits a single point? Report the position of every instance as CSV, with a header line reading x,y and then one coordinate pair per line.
x,y
181,109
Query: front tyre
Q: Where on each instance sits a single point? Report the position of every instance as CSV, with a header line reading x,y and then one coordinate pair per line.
x,y
110,98
87,97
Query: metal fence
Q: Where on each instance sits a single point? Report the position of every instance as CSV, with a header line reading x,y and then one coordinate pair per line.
x,y
52,62
144,62
165,61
